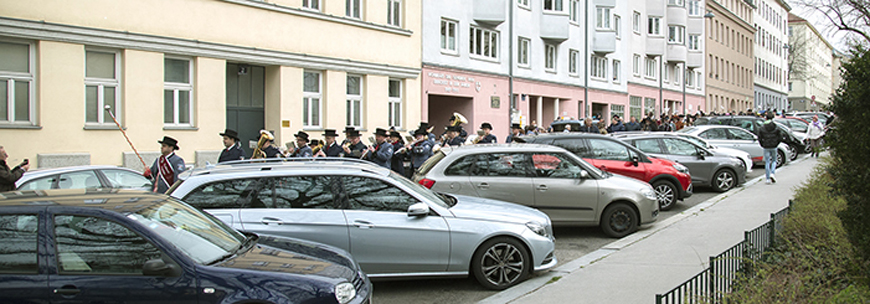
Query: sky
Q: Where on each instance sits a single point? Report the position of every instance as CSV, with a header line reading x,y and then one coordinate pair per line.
x,y
821,23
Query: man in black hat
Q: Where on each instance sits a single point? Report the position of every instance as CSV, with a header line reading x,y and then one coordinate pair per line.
x,y
167,166
271,150
421,148
353,146
487,137
516,131
382,152
330,147
453,138
397,162
302,148
232,148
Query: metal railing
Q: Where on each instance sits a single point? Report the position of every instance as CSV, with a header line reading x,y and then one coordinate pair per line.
x,y
712,283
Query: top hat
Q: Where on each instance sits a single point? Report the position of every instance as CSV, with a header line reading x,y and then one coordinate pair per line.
x,y
395,134
169,141
381,132
454,128
349,129
516,126
420,131
231,134
329,132
302,134
486,125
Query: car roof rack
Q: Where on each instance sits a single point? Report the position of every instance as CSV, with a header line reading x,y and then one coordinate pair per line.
x,y
269,161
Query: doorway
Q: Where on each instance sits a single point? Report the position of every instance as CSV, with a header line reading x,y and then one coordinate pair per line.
x,y
246,91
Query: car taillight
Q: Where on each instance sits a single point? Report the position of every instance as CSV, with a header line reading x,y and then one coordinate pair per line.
x,y
428,183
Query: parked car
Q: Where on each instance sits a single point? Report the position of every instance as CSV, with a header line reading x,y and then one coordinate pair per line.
x,y
808,116
391,225
109,246
753,123
550,179
795,124
81,177
742,155
719,171
671,181
740,139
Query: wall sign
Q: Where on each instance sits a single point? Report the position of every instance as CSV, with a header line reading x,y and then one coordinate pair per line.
x,y
453,83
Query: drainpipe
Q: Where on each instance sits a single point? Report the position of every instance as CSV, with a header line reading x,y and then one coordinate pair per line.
x,y
585,58
661,73
511,97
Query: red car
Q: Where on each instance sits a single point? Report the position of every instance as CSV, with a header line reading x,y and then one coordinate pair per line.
x,y
670,180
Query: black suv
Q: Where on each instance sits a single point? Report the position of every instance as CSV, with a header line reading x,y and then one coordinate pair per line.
x,y
753,123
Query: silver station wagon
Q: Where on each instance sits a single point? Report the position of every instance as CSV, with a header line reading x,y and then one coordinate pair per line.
x,y
549,178
392,226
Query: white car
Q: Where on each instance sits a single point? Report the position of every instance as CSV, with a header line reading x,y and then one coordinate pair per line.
x,y
738,138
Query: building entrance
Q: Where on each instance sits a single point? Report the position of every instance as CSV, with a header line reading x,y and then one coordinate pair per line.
x,y
246,87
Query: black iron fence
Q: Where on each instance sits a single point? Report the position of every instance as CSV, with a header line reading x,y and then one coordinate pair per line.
x,y
715,281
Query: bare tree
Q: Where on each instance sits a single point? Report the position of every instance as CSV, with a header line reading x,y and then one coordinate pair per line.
x,y
851,16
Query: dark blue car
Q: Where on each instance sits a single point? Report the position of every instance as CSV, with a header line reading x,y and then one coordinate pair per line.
x,y
121,246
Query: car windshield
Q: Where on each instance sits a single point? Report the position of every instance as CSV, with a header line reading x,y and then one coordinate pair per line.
x,y
423,191
201,237
696,140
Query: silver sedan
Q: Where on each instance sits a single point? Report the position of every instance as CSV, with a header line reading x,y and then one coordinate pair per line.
x,y
740,139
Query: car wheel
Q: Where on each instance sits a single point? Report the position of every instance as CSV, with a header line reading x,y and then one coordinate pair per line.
x,y
724,180
780,158
666,194
500,263
794,152
619,220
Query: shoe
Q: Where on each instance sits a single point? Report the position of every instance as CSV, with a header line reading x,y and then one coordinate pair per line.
x,y
767,181
773,178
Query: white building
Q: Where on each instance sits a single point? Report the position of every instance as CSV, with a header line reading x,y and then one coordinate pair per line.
x,y
771,54
811,59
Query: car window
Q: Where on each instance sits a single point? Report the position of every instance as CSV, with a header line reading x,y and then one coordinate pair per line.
x,y
462,166
44,183
506,165
126,179
555,165
79,180
18,250
680,147
609,150
370,194
314,192
98,246
222,194
718,134
576,146
739,134
746,124
648,145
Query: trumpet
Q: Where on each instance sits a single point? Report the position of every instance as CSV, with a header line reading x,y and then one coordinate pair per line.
x,y
369,148
265,137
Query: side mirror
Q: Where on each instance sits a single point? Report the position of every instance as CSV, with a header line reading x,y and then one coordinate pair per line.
x,y
635,160
584,174
158,267
418,209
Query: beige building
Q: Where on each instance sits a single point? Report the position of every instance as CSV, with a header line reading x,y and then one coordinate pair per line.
x,y
730,56
191,68
810,65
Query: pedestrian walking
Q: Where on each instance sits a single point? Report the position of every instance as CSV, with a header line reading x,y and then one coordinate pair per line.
x,y
769,137
167,166
8,177
814,133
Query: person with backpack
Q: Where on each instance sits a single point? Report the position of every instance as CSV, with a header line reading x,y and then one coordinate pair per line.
x,y
769,137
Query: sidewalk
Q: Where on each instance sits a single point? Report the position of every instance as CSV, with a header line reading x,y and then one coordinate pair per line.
x,y
660,257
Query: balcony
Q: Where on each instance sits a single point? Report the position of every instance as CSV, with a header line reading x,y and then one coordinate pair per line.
x,y
695,59
655,7
676,53
491,12
609,3
604,42
655,46
695,26
677,15
554,27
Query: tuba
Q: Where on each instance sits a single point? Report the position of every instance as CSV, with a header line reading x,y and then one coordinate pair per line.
x,y
265,137
458,119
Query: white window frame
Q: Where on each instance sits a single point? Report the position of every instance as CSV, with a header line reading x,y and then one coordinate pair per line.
x,y
551,55
694,7
493,36
635,22
598,67
11,78
617,109
666,74
354,103
394,13
524,49
395,103
102,84
349,7
603,18
617,27
694,42
574,11
635,65
446,24
177,89
573,62
555,6
635,107
616,72
654,26
676,34
650,68
675,3
524,4
677,74
307,105
690,78
311,4
699,77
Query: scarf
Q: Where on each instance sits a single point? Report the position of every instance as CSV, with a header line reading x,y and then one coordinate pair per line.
x,y
165,171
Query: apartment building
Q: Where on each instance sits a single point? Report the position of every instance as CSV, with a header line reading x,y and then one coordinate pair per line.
x,y
810,60
191,68
771,55
730,56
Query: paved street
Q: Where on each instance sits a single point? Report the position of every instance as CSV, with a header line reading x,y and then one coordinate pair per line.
x,y
571,243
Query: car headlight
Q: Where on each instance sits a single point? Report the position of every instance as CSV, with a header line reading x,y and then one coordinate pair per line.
x,y
537,228
681,168
344,292
649,193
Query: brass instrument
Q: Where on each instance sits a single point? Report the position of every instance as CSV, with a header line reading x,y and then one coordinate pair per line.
x,y
480,135
317,150
458,119
369,148
265,137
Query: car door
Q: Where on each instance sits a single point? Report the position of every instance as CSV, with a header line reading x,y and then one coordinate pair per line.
x,y
455,178
23,281
614,157
383,238
99,260
692,157
743,140
721,137
504,176
302,206
560,191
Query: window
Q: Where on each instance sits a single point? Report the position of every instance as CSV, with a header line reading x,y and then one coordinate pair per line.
x,y
635,65
635,22
677,72
553,5
654,26
18,254
354,101
676,34
635,105
675,2
483,42
177,92
523,3
97,246
371,194
523,53
666,74
394,12
694,8
698,77
223,194
550,60
16,82
311,4
102,86
78,180
555,165
574,7
448,35
126,179
599,67
602,18
617,110
299,192
395,101
648,145
649,105
311,95
650,70
573,55
616,25
616,70
690,78
352,8
504,165
608,150
694,42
